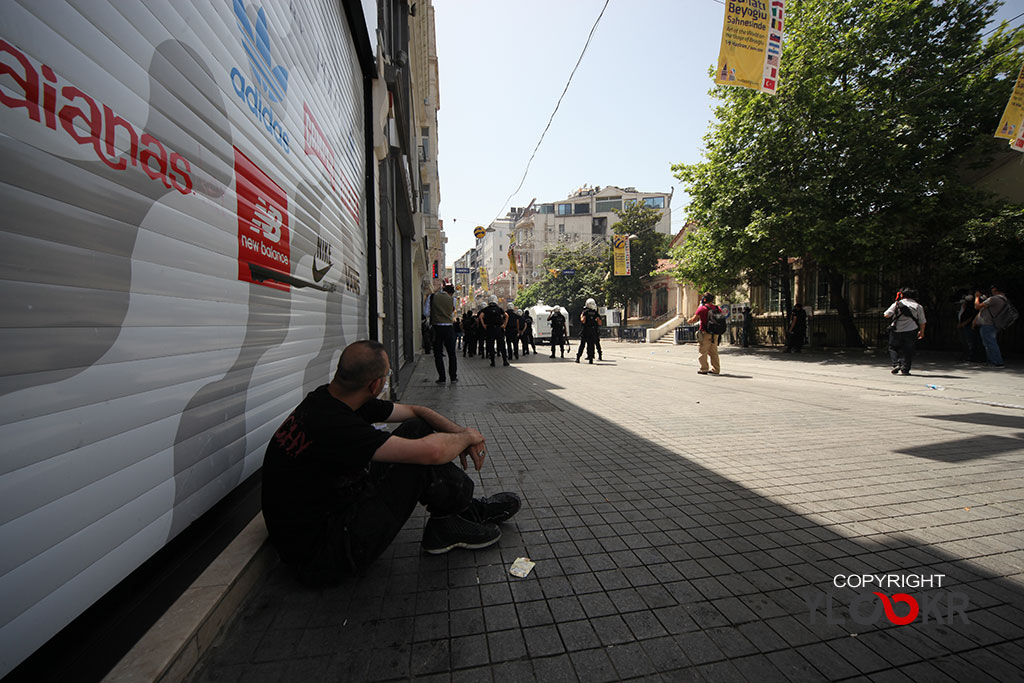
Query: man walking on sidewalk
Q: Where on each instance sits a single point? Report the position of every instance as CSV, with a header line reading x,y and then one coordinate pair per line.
x,y
336,491
707,337
990,309
440,310
908,322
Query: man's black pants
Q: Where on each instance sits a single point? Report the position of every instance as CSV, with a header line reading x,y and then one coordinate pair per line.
x,y
366,521
444,339
901,349
496,337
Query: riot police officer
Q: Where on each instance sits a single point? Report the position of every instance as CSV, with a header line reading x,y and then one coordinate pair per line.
x,y
493,320
526,324
512,330
559,330
591,334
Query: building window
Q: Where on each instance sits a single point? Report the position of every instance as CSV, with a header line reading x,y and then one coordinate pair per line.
x,y
654,202
581,208
645,305
547,208
565,209
424,144
598,225
661,302
607,205
821,298
561,228
425,199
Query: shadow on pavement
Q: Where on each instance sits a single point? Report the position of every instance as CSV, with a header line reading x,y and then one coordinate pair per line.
x,y
648,563
991,419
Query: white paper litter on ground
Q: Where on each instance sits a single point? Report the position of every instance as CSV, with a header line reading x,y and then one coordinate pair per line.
x,y
521,567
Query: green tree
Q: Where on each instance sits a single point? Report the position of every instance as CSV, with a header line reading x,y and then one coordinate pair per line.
x,y
645,249
857,163
570,291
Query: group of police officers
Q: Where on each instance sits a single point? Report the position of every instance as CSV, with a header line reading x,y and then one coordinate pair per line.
x,y
502,332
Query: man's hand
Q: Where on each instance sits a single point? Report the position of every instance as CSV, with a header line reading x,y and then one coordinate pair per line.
x,y
476,451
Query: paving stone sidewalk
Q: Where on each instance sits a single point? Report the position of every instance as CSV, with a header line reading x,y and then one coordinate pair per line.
x,y
690,527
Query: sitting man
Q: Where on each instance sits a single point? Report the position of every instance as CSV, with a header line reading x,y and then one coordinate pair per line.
x,y
336,490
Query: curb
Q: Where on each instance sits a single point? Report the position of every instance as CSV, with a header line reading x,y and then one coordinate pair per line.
x,y
174,645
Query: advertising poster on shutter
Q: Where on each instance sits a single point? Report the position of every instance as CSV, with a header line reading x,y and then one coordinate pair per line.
x,y
263,236
751,48
1013,115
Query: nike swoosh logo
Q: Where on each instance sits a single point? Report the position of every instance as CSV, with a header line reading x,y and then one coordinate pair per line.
x,y
318,273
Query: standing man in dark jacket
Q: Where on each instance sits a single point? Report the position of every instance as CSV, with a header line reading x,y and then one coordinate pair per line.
x,y
797,329
512,330
493,320
591,332
441,311
526,335
469,334
559,330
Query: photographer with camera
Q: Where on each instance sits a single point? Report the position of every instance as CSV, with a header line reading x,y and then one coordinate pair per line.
x,y
908,322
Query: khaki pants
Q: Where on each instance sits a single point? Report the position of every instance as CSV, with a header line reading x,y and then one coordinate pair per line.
x,y
708,346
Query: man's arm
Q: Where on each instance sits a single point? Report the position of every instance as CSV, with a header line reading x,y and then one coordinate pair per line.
x,y
434,449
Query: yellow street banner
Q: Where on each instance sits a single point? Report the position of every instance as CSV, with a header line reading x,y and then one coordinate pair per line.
x,y
751,44
512,260
1013,115
620,250
483,278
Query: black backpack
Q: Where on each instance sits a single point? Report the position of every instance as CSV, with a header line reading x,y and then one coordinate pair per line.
x,y
716,321
493,316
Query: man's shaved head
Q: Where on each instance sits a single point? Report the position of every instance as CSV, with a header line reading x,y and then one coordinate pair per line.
x,y
361,362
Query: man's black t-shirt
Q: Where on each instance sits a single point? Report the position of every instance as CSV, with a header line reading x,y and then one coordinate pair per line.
x,y
512,326
527,322
313,463
590,317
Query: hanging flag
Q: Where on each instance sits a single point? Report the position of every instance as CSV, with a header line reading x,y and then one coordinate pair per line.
x,y
751,45
512,260
1011,126
483,279
620,252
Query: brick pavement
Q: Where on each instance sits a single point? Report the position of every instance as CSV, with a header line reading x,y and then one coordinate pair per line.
x,y
682,526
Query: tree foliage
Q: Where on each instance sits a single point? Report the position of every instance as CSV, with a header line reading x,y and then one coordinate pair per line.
x,y
857,163
646,248
570,291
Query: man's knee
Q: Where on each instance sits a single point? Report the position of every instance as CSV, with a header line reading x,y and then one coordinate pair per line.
x,y
413,428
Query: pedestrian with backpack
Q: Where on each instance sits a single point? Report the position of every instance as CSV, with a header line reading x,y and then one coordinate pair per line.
x,y
995,313
907,326
712,327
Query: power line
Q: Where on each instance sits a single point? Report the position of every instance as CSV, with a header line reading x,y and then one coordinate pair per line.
x,y
557,104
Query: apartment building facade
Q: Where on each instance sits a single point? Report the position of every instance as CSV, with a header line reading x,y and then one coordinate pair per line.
x,y
585,216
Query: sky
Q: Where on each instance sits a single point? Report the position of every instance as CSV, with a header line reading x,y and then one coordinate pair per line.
x,y
637,104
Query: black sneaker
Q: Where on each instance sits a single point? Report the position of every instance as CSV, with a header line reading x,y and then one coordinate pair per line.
x,y
442,534
895,370
494,509
439,381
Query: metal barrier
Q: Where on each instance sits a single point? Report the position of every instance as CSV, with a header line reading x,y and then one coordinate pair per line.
x,y
633,334
686,334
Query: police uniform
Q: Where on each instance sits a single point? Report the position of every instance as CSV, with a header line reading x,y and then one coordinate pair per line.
x,y
527,334
492,318
590,335
512,333
559,333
